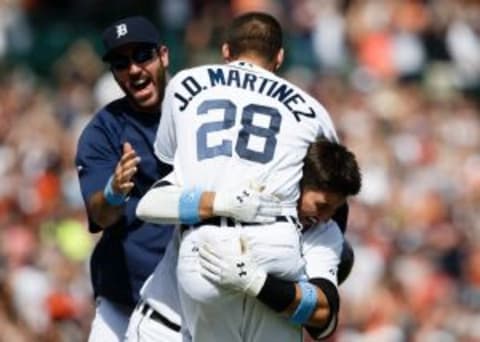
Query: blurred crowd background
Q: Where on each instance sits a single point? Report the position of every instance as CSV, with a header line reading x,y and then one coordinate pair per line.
x,y
401,79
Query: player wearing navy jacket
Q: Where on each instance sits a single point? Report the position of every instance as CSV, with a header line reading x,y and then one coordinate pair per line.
x,y
116,166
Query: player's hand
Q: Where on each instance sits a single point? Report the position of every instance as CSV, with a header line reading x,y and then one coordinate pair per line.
x,y
247,203
124,171
237,272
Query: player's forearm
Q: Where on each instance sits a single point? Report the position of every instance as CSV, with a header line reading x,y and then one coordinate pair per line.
x,y
285,296
101,212
321,312
161,205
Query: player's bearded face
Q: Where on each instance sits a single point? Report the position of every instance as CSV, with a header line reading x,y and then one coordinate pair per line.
x,y
143,83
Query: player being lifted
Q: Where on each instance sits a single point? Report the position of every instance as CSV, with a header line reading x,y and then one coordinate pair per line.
x,y
224,124
330,175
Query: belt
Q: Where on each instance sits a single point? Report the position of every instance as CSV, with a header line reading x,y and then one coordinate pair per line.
x,y
144,308
230,222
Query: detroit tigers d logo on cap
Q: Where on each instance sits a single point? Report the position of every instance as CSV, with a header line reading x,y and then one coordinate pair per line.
x,y
129,30
121,30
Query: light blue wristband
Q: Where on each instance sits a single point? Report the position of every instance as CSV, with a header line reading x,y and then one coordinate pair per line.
x,y
188,206
307,304
112,198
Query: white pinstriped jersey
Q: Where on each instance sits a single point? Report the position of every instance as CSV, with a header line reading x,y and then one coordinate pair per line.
x,y
224,124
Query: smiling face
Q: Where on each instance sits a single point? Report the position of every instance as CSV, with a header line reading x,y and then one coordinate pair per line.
x,y
140,71
317,206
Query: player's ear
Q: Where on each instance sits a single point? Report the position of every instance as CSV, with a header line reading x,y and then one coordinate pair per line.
x,y
163,55
279,59
226,52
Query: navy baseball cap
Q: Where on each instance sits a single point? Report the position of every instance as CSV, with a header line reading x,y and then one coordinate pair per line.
x,y
135,29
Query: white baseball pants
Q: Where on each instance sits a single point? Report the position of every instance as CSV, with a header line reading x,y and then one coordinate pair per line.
x,y
144,328
110,322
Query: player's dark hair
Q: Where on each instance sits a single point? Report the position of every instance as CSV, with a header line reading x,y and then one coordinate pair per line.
x,y
254,32
330,166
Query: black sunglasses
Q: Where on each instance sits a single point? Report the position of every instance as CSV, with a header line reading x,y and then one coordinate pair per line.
x,y
139,56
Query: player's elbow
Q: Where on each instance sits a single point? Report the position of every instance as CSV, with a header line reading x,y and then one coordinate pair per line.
x,y
140,211
321,327
159,205
144,208
323,321
327,303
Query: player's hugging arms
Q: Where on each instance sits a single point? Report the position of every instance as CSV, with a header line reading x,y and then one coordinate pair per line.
x,y
312,302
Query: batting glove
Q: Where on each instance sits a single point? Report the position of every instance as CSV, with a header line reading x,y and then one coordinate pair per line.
x,y
236,272
247,204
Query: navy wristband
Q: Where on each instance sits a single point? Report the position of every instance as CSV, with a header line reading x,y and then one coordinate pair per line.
x,y
112,198
307,304
188,206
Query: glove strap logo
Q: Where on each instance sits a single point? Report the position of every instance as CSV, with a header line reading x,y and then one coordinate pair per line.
x,y
244,194
121,30
241,267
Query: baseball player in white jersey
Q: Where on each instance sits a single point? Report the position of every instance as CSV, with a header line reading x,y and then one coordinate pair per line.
x,y
324,189
322,247
224,124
